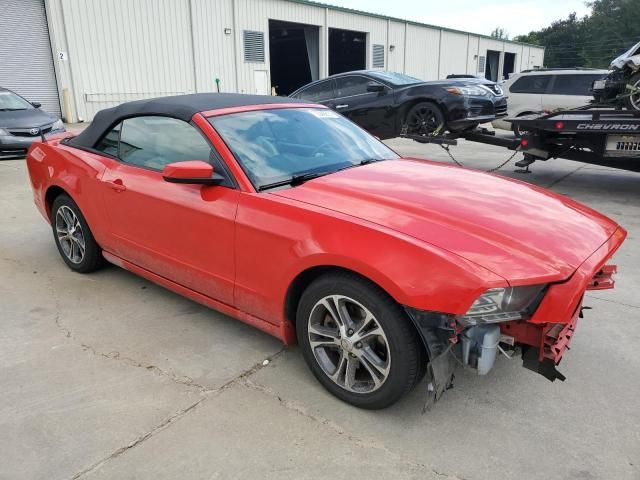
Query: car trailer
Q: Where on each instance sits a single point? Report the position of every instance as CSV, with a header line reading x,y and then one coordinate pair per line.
x,y
591,134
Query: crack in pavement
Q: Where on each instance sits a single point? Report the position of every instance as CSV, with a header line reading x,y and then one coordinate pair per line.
x,y
300,410
613,301
114,355
564,177
210,393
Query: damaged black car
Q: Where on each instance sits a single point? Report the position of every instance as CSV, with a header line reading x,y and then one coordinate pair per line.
x,y
389,104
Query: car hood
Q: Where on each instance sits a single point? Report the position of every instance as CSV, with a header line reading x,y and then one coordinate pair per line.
x,y
521,232
459,82
29,118
631,57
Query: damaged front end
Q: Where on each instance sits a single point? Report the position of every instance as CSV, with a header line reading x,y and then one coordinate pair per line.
x,y
507,320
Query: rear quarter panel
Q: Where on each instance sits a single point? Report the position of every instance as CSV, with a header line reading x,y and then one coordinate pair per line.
x,y
75,171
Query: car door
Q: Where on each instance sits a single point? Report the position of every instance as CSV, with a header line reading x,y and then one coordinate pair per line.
x,y
320,92
372,110
525,94
182,232
569,91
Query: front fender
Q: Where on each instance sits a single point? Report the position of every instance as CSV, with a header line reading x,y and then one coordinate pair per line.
x,y
279,238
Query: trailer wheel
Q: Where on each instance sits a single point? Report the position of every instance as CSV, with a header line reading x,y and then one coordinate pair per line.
x,y
632,102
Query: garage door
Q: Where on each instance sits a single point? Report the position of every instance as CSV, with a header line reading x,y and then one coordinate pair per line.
x,y
26,64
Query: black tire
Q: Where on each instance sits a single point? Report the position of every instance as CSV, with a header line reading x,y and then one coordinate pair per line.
x,y
518,132
426,119
91,259
405,358
633,102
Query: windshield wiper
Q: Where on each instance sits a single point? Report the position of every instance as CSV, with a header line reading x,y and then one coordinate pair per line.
x,y
11,109
295,180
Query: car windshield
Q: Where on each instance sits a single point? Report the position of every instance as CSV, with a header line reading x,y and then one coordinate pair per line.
x,y
11,101
396,78
276,147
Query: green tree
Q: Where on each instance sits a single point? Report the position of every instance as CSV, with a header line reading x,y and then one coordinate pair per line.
x,y
500,33
611,28
563,40
615,24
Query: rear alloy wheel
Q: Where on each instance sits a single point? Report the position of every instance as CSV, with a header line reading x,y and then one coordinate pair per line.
x,y
425,119
357,341
73,238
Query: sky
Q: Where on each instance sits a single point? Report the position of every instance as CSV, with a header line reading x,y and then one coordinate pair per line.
x,y
517,17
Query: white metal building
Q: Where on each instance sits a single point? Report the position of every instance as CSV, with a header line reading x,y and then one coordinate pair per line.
x,y
105,52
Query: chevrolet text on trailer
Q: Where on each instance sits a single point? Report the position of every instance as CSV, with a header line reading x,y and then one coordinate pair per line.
x,y
287,216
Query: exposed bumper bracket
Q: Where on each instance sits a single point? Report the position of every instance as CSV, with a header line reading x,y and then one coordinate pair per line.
x,y
545,367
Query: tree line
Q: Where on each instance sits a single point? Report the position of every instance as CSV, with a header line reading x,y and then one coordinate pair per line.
x,y
612,27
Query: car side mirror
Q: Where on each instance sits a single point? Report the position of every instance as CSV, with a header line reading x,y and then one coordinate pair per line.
x,y
36,104
191,172
375,88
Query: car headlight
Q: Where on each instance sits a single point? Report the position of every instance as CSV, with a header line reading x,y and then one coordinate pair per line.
x,y
4,132
57,125
474,91
504,305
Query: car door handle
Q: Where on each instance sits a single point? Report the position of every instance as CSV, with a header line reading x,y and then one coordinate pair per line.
x,y
116,185
343,105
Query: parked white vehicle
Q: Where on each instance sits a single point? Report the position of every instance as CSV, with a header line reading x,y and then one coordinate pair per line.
x,y
549,89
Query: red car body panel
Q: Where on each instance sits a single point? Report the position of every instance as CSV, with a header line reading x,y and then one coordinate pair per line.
x,y
502,225
434,237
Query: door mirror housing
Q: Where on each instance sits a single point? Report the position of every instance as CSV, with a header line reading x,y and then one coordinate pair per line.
x,y
375,88
36,104
195,172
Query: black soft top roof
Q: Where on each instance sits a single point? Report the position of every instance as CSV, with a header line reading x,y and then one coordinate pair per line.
x,y
182,107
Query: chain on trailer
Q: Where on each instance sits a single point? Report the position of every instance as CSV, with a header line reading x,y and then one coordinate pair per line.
x,y
439,132
491,170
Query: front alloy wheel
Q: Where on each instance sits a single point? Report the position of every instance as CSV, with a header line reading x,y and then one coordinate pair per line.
x,y
633,100
349,344
425,119
357,341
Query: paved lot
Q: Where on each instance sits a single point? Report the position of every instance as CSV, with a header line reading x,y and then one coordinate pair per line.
x,y
109,376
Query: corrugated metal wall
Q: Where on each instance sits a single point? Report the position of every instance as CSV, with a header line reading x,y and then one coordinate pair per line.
x,y
120,50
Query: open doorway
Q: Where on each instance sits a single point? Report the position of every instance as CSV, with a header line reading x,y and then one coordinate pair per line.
x,y
294,56
347,51
509,64
493,65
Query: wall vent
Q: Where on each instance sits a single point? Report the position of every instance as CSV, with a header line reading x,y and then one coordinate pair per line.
x,y
253,46
378,56
481,61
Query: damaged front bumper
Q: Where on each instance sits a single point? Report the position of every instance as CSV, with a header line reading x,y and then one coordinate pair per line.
x,y
542,339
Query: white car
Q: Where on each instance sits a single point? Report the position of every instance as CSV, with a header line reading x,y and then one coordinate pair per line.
x,y
549,89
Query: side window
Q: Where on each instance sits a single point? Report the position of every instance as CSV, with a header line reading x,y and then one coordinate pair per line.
x,y
318,93
574,84
153,142
352,85
531,84
109,144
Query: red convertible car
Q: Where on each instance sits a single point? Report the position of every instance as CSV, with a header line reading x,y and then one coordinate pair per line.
x,y
289,217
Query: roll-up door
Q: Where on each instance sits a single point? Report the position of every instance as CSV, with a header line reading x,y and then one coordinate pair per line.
x,y
26,63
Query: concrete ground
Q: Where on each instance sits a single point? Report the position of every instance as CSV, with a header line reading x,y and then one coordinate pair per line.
x,y
109,376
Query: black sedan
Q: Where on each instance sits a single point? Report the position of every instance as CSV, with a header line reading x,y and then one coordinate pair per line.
x,y
388,104
22,122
